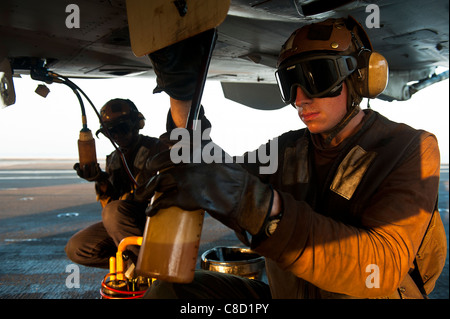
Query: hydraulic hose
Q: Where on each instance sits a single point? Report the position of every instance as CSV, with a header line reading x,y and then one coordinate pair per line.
x,y
76,89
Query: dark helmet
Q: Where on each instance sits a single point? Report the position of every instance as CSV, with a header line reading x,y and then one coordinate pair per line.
x,y
120,116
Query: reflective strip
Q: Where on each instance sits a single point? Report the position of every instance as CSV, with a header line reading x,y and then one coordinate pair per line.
x,y
351,171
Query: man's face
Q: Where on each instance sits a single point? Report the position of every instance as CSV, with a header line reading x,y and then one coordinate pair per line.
x,y
124,141
320,115
123,135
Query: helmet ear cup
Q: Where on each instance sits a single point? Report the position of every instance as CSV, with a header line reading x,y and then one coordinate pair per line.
x,y
378,76
141,121
372,78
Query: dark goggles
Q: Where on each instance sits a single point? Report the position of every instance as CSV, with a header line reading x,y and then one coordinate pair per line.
x,y
318,76
121,128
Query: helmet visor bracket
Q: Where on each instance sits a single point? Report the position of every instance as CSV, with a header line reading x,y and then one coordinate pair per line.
x,y
318,75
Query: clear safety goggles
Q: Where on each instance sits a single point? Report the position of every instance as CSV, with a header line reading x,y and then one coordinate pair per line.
x,y
318,76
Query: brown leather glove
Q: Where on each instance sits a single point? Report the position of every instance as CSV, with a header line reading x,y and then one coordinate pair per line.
x,y
91,172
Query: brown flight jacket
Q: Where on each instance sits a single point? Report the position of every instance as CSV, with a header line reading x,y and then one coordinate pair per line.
x,y
355,216
116,183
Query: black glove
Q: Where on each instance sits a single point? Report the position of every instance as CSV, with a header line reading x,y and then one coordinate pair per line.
x,y
177,66
225,190
90,172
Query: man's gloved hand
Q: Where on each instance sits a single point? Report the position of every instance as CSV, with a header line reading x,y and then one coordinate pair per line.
x,y
90,172
204,123
177,66
225,190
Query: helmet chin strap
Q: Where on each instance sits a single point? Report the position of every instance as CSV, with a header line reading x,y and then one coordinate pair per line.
x,y
352,111
343,123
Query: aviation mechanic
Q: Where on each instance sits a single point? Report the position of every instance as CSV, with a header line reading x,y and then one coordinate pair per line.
x,y
233,308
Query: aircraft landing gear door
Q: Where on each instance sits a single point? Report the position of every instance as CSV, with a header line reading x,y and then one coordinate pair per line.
x,y
156,24
8,96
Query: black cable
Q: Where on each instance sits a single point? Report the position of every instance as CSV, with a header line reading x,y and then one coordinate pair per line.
x,y
75,89
80,100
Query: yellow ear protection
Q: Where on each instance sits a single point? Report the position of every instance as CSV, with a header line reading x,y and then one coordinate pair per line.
x,y
372,75
372,79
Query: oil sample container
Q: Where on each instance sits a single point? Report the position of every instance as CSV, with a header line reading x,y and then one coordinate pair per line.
x,y
86,148
170,245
